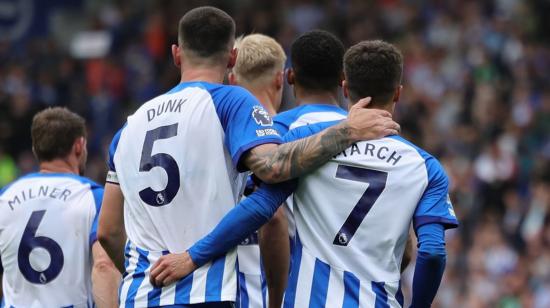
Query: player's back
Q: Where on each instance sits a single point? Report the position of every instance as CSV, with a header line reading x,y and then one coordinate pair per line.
x,y
353,216
174,164
47,224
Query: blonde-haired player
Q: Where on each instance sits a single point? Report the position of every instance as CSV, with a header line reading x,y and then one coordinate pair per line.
x,y
259,68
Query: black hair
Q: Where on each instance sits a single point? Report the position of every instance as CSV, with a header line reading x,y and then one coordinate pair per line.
x,y
316,58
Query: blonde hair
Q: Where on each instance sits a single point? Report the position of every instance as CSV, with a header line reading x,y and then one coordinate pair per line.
x,y
258,57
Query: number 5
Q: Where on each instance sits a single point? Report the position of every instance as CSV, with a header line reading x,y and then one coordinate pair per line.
x,y
377,182
163,160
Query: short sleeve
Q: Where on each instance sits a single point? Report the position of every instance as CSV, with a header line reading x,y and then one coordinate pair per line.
x,y
281,123
111,173
245,122
435,205
97,192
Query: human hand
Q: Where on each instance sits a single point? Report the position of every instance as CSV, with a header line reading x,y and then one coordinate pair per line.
x,y
171,268
368,124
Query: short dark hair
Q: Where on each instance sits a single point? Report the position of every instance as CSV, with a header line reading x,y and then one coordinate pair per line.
x,y
373,68
206,31
54,131
316,58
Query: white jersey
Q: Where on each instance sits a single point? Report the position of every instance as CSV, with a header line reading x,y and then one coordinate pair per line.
x,y
352,218
176,162
48,223
252,284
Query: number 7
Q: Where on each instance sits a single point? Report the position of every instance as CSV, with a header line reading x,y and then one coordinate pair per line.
x,y
377,182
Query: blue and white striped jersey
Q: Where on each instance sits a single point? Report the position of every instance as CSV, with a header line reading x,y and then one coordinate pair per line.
x,y
352,220
252,285
177,163
48,223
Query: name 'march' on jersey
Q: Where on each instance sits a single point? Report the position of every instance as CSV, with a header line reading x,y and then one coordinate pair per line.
x,y
48,223
177,163
353,216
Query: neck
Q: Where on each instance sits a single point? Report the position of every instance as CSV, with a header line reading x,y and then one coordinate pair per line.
x,y
212,74
389,107
266,98
306,97
58,166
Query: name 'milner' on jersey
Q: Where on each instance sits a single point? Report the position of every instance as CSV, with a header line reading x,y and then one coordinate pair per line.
x,y
176,161
352,221
48,223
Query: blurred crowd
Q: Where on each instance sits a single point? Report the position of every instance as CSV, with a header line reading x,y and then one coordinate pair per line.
x,y
476,95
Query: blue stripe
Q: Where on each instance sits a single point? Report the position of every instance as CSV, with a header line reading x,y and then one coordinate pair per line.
x,y
2,301
290,293
214,280
153,297
264,291
183,290
351,291
319,286
243,292
381,295
138,276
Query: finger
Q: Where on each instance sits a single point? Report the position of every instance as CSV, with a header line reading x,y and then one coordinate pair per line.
x,y
159,280
362,103
168,280
157,268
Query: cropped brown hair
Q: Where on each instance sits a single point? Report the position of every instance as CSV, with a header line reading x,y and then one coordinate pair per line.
x,y
373,68
54,131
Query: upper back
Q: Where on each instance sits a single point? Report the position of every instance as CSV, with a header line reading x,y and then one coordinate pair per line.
x,y
48,223
354,212
307,114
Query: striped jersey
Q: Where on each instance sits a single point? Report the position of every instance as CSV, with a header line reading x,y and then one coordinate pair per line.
x,y
48,223
177,163
352,221
252,284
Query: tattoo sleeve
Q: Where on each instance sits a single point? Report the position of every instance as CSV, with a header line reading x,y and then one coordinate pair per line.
x,y
277,163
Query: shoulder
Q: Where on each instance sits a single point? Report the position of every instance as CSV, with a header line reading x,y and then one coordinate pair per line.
x,y
434,168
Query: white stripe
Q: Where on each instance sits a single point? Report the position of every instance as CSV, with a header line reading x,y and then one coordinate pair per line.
x,y
335,292
391,290
305,280
316,117
367,298
168,295
132,263
198,288
254,290
229,281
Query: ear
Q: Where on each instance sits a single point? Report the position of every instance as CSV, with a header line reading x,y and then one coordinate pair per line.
x,y
345,88
290,76
232,78
79,146
232,58
397,93
342,78
279,79
176,55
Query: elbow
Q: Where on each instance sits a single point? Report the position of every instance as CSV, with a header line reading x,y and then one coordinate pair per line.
x,y
104,265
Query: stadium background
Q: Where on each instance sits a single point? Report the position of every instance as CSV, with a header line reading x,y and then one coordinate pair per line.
x,y
477,95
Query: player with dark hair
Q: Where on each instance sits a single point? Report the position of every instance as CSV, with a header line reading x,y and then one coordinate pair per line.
x,y
48,223
353,213
177,167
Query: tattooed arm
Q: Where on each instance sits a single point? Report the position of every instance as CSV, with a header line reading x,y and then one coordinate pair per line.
x,y
276,163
